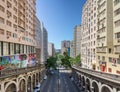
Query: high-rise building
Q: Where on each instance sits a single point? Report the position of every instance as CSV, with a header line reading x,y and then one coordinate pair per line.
x,y
17,32
65,45
115,66
77,40
72,52
105,50
44,47
38,40
88,34
51,49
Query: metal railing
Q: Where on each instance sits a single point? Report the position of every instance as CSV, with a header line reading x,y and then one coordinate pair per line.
x,y
12,72
106,76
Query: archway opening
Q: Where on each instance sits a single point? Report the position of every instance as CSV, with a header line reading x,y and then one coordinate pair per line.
x,y
95,87
33,81
83,83
88,85
22,86
29,84
11,88
105,89
37,78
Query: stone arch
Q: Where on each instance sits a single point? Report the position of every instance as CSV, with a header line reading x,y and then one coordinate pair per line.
x,y
29,82
106,88
95,86
11,87
88,84
22,85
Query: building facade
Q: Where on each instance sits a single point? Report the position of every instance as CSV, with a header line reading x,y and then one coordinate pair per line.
x,y
77,40
64,46
17,33
72,52
44,47
88,40
51,49
105,50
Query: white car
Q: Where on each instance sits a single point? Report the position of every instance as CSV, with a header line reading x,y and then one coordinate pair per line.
x,y
45,77
37,88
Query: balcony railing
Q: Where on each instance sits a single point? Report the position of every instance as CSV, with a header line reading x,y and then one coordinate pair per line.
x,y
12,72
105,76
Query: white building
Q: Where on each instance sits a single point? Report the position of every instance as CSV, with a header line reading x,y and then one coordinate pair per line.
x,y
44,47
89,26
51,49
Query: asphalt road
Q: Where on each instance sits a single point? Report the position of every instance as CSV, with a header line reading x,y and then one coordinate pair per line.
x,y
63,83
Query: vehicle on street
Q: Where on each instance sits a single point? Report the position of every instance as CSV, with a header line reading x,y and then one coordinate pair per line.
x,y
45,77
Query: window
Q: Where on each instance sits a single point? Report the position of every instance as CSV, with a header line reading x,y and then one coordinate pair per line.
x,y
0,49
2,31
118,61
103,58
9,23
117,12
2,8
117,23
2,20
9,14
110,59
11,48
109,50
9,4
116,2
5,48
15,18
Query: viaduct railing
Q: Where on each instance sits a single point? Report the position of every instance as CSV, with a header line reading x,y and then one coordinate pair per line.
x,y
5,73
100,76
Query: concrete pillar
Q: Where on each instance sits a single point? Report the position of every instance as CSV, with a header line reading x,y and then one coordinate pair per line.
x,y
2,87
17,84
114,90
26,84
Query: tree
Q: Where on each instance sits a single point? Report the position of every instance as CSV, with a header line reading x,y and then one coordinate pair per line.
x,y
51,62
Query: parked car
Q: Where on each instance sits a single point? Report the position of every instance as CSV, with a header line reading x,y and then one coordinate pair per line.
x,y
45,77
37,88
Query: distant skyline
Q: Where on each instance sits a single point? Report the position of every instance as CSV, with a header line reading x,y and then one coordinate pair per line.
x,y
59,18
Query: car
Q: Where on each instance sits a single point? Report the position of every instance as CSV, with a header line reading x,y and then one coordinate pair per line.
x,y
45,77
37,88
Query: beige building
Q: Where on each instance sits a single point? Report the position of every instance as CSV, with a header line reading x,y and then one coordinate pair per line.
x,y
88,40
17,30
105,50
77,40
116,37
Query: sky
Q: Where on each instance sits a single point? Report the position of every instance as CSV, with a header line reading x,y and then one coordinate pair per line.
x,y
59,18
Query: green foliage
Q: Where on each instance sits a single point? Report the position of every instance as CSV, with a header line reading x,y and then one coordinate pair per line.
x,y
76,60
51,62
65,60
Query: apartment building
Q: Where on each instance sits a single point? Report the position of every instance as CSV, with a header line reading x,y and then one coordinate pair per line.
x,y
72,49
65,45
17,32
44,47
88,34
105,50
77,39
51,49
114,65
